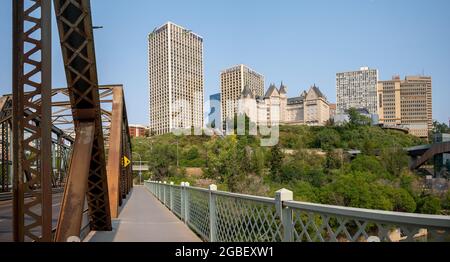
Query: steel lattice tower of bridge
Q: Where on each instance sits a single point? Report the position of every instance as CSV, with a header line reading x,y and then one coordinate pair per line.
x,y
84,155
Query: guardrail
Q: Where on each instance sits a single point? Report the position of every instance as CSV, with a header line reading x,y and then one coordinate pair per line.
x,y
9,196
227,217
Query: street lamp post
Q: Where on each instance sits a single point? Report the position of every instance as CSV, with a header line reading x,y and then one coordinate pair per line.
x,y
140,167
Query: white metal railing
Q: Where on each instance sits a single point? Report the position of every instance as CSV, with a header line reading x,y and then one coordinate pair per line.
x,y
227,217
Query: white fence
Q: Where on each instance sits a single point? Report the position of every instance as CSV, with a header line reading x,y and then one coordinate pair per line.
x,y
226,217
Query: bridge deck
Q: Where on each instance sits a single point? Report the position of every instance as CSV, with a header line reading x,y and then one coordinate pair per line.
x,y
144,219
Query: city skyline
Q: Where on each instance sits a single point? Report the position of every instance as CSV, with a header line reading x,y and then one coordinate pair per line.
x,y
301,53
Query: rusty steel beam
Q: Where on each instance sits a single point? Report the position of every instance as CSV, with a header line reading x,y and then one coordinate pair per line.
x,y
115,152
70,217
31,150
77,44
124,173
128,147
6,109
5,156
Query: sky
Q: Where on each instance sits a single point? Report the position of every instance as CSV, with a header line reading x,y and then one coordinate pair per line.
x,y
298,42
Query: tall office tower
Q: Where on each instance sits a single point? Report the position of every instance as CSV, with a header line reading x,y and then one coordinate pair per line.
x,y
233,82
176,79
357,89
407,103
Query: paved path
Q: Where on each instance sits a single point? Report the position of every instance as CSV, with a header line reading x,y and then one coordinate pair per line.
x,y
145,219
6,216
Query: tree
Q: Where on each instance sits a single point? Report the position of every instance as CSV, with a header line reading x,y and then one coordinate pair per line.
x,y
440,128
276,161
163,156
367,163
395,160
429,205
335,159
304,191
403,201
192,153
356,189
446,201
327,139
357,119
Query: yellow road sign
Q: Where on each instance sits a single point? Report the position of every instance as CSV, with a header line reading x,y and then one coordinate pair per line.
x,y
125,161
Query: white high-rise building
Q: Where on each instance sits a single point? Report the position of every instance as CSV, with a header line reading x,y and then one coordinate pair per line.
x,y
357,89
176,79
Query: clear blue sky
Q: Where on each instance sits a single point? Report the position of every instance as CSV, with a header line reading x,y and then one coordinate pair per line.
x,y
299,42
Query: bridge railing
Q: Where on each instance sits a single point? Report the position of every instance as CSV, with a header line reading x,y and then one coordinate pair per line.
x,y
227,217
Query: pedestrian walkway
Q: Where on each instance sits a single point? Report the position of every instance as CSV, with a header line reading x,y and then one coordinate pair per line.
x,y
145,219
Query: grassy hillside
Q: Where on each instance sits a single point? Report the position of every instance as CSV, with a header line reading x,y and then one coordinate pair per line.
x,y
311,161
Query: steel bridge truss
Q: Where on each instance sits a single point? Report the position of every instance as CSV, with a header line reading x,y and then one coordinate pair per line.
x,y
91,128
61,147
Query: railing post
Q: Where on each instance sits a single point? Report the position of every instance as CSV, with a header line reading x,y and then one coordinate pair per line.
x,y
171,195
212,214
159,190
187,204
164,193
183,207
285,214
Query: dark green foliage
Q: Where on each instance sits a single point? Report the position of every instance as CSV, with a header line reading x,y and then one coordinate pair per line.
x,y
395,160
275,162
403,201
356,119
429,205
163,157
192,153
446,202
296,137
335,159
363,190
440,128
327,139
305,192
365,163
192,158
311,161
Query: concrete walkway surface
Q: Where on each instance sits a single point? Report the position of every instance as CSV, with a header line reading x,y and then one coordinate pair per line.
x,y
144,219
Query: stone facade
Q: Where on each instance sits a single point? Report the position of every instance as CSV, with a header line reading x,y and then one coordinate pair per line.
x,y
310,108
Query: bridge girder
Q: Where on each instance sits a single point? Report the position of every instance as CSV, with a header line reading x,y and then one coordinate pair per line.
x,y
82,114
32,81
435,149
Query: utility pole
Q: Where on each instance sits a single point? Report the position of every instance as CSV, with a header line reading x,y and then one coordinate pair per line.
x,y
140,167
178,163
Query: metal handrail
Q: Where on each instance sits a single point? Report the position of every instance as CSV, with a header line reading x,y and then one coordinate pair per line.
x,y
223,216
373,215
266,200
